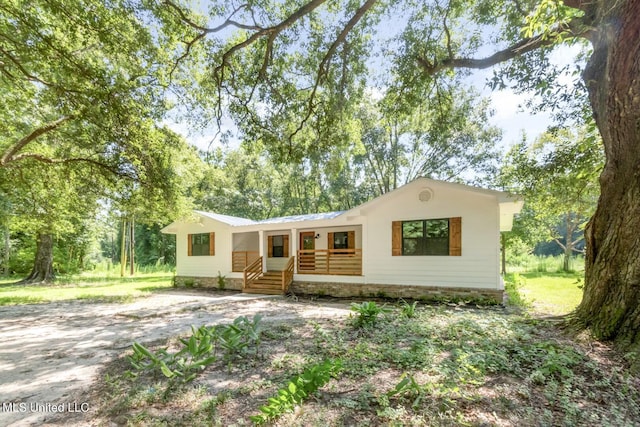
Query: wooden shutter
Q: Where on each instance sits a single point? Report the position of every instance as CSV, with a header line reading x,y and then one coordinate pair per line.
x,y
396,238
212,243
330,241
285,243
189,245
455,236
270,246
351,239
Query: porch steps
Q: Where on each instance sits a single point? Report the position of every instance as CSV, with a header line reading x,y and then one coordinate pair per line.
x,y
269,283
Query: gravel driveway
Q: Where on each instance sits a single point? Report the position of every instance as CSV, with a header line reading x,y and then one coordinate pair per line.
x,y
50,354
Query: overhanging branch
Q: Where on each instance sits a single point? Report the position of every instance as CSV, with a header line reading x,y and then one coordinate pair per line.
x,y
520,48
10,154
322,69
49,160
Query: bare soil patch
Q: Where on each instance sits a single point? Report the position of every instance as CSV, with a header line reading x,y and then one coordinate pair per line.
x,y
52,354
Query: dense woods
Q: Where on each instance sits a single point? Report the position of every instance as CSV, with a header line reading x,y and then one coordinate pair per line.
x,y
313,106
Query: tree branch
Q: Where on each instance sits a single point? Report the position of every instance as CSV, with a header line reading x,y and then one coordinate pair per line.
x,y
10,155
518,49
44,159
322,68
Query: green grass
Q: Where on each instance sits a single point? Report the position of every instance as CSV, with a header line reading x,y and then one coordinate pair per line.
x,y
549,293
85,287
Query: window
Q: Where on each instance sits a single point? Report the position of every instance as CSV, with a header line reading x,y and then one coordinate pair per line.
x,y
278,246
427,237
202,244
341,240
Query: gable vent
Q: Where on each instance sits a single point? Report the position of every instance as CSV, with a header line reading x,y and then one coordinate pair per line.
x,y
425,195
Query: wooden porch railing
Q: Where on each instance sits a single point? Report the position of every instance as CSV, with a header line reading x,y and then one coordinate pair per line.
x,y
252,272
287,274
345,262
241,259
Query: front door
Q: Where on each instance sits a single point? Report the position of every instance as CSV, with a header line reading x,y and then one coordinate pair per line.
x,y
307,259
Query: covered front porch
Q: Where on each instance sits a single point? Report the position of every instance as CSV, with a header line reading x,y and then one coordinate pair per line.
x,y
318,251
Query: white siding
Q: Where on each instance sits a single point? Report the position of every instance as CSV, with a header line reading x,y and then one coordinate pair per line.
x,y
246,241
204,266
476,268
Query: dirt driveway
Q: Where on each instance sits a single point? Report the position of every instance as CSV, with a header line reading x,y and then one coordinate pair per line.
x,y
50,354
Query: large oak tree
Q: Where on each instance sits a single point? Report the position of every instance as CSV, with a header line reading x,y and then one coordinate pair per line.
x,y
274,63
82,87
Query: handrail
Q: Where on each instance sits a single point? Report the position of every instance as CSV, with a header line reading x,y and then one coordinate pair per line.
x,y
252,272
287,274
344,262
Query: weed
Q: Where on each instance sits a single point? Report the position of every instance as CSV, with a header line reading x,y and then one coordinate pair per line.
x,y
297,390
199,350
367,313
408,310
221,281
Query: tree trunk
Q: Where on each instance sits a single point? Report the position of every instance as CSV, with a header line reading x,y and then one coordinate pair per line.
x,y
123,248
132,247
611,302
568,243
43,263
6,253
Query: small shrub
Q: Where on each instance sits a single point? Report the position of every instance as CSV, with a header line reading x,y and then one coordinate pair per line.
x,y
367,313
221,281
512,287
408,310
189,283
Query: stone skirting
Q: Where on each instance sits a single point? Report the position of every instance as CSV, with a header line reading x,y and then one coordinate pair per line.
x,y
230,283
346,290
394,291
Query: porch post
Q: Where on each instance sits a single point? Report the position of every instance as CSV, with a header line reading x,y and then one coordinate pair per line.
x,y
294,247
365,245
261,244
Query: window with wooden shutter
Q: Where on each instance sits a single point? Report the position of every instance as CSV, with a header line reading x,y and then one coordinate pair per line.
x,y
341,240
396,238
285,246
278,246
455,236
201,244
441,236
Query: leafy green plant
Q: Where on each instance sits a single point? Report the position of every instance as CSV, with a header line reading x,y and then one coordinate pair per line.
x,y
221,281
367,313
408,310
199,350
184,365
408,387
297,390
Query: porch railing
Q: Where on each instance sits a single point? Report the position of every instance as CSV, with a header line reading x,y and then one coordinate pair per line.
x,y
287,274
241,259
252,272
345,262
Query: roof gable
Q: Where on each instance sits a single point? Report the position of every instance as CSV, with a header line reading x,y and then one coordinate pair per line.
x,y
428,183
226,219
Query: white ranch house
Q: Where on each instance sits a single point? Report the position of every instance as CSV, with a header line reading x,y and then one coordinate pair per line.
x,y
427,237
